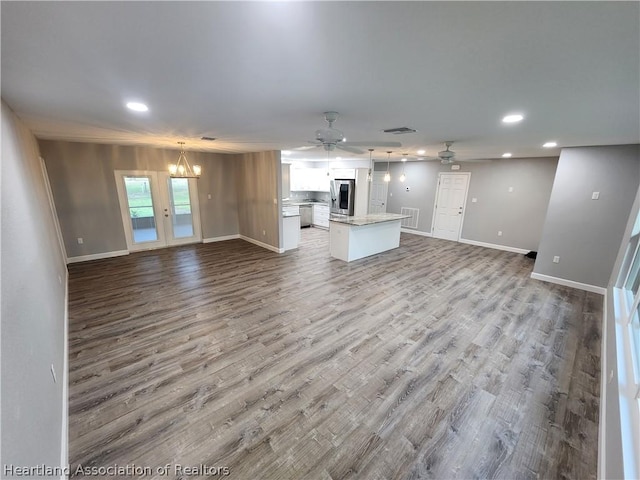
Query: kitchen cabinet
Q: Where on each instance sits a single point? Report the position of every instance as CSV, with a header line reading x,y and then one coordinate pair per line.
x,y
309,180
321,216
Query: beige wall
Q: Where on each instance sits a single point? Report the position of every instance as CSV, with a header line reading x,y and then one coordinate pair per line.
x,y
258,198
33,308
83,183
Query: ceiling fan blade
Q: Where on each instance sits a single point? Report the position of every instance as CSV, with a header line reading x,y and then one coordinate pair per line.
x,y
373,144
349,148
307,147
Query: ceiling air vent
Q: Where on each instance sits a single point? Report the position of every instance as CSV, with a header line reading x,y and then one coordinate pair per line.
x,y
211,139
399,130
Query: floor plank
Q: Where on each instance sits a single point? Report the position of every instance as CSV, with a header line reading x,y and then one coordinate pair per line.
x,y
434,360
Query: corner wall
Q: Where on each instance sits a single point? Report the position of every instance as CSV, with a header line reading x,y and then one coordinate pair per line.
x,y
32,298
84,188
519,214
258,178
586,234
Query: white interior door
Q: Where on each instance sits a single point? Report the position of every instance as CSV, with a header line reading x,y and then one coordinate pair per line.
x,y
378,197
157,210
451,197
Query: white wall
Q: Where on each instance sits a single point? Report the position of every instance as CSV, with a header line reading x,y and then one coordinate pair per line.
x,y
32,298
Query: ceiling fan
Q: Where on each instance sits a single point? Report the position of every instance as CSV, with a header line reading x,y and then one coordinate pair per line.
x,y
331,138
445,156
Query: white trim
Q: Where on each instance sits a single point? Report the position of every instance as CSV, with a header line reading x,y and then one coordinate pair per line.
x,y
52,206
97,256
494,246
64,441
604,379
262,244
221,239
569,283
416,232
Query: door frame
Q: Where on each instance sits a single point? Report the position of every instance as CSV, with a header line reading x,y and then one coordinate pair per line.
x,y
435,202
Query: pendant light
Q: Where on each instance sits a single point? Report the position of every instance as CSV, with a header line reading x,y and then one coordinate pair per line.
x,y
370,174
387,176
403,177
182,169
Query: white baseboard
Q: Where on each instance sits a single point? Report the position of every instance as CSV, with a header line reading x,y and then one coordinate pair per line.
x,y
494,246
569,283
97,256
221,239
64,445
416,232
262,244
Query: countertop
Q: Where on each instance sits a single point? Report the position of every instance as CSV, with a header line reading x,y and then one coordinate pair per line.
x,y
298,204
367,219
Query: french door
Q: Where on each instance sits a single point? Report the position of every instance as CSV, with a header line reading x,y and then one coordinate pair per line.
x,y
157,210
451,197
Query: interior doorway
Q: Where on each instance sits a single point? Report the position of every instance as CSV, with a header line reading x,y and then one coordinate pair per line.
x,y
451,198
158,210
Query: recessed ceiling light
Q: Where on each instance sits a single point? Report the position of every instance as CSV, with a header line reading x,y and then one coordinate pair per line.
x,y
550,144
513,118
506,155
421,152
137,107
286,152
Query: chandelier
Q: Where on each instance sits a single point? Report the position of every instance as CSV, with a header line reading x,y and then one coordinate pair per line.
x,y
182,169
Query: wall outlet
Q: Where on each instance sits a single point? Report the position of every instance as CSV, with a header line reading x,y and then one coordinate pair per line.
x,y
510,189
499,233
264,232
209,196
595,195
556,259
80,240
474,200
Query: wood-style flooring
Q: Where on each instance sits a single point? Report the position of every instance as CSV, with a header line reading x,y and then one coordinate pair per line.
x,y
435,360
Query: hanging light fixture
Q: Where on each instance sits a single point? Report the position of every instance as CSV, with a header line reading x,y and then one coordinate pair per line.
x,y
403,177
387,176
370,174
182,169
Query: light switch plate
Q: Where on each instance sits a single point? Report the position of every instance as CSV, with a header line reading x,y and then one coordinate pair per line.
x,y
595,195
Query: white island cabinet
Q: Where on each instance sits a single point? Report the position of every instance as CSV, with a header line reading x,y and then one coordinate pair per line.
x,y
351,238
320,215
290,231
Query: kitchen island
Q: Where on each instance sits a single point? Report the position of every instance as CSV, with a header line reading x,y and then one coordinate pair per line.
x,y
351,238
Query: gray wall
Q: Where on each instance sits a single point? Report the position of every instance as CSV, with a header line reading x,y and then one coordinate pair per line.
x,y
84,188
33,307
258,178
585,233
519,214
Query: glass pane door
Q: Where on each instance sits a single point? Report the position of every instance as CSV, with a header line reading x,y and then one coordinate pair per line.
x,y
180,201
141,211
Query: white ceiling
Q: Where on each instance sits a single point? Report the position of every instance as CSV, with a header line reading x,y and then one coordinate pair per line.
x,y
258,75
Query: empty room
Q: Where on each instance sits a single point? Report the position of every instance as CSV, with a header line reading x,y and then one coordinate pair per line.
x,y
320,240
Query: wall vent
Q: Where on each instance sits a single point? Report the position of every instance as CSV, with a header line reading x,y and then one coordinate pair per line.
x,y
399,130
412,221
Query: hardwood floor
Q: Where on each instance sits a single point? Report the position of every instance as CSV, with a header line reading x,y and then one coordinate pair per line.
x,y
435,360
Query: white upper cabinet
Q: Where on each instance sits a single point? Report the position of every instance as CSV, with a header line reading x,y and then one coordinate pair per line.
x,y
309,179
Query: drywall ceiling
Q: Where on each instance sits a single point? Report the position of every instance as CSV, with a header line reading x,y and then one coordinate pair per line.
x,y
258,75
